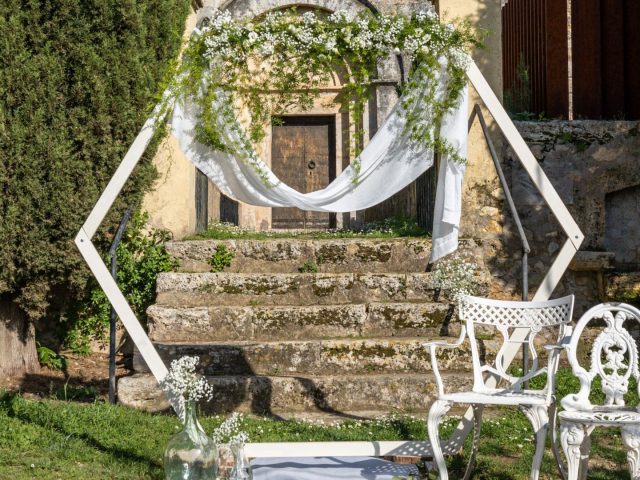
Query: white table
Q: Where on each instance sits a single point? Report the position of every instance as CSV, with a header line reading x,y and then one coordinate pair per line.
x,y
317,468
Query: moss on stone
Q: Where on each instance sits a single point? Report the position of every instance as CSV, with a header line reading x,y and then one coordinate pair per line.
x,y
331,253
321,291
374,253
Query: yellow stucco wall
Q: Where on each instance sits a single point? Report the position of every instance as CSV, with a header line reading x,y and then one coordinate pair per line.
x,y
481,187
171,205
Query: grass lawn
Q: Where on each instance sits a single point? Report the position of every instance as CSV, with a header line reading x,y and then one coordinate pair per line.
x,y
53,439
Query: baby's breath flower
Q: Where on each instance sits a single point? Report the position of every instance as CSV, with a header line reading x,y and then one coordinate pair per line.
x,y
183,381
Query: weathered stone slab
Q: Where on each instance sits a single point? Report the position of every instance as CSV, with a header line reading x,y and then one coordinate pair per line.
x,y
222,289
288,255
142,392
585,261
320,357
181,324
396,393
207,324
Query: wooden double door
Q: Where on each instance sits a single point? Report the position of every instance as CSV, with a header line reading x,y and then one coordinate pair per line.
x,y
303,155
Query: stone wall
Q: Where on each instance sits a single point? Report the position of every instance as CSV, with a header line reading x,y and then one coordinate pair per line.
x,y
594,167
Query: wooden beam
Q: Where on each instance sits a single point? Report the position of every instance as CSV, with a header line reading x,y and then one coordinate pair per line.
x,y
587,58
557,59
613,74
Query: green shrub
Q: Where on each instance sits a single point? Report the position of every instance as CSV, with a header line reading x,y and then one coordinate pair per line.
x,y
221,258
50,359
308,267
77,81
141,257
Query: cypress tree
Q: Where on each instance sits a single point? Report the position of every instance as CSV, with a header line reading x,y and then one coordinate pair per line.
x,y
77,80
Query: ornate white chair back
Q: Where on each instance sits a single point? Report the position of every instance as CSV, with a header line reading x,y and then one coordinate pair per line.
x,y
613,356
506,316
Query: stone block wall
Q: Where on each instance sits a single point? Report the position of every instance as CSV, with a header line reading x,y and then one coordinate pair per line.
x,y
594,167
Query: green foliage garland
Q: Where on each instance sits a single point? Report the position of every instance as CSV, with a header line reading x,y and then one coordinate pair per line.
x,y
76,82
267,66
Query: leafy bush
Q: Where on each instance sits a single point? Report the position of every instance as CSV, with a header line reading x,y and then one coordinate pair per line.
x,y
77,81
50,359
141,256
221,258
308,267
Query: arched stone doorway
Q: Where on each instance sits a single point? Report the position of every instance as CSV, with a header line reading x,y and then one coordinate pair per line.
x,y
327,127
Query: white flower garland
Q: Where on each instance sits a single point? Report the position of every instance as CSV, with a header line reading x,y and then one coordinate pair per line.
x,y
283,59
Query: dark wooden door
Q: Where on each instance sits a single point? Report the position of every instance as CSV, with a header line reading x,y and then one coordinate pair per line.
x,y
303,156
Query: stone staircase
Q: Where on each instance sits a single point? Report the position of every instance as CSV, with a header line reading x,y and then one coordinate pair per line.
x,y
275,341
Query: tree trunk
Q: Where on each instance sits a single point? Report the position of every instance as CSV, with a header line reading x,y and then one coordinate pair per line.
x,y
18,354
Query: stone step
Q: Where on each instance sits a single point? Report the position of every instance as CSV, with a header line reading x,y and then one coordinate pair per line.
x,y
320,357
357,255
227,289
395,393
209,324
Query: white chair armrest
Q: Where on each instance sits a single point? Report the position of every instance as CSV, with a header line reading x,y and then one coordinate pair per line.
x,y
445,344
555,346
433,346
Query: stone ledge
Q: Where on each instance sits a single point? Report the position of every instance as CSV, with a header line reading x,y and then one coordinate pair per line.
x,y
322,357
226,289
182,324
397,393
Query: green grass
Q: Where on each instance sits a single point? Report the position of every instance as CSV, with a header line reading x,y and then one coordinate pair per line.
x,y
389,228
51,439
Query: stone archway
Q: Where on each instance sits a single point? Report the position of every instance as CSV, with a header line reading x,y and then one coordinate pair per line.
x,y
255,8
390,72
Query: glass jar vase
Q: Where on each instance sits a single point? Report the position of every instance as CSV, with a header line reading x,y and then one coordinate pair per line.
x,y
241,468
190,453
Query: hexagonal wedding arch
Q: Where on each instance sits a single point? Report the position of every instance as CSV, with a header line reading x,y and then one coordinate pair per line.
x,y
370,448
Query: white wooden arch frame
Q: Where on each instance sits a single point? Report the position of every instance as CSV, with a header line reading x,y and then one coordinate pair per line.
x,y
371,448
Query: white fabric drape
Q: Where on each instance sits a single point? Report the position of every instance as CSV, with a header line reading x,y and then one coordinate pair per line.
x,y
389,162
329,468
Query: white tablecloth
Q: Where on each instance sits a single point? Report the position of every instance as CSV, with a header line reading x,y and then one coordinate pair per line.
x,y
317,468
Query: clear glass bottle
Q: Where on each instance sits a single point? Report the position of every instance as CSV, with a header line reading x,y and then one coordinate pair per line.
x,y
241,468
190,453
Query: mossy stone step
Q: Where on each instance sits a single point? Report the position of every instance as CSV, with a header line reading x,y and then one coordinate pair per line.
x,y
320,357
208,324
226,289
407,393
357,255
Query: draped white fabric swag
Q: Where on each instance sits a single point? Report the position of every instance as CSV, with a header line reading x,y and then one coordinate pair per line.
x,y
388,163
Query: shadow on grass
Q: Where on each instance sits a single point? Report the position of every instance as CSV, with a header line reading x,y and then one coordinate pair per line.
x,y
10,403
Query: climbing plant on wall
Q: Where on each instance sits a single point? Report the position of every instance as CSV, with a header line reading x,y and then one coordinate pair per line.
x,y
266,66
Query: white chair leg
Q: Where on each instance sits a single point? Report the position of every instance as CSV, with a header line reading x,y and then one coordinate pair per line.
x,y
631,440
555,441
585,449
438,410
572,438
539,418
477,424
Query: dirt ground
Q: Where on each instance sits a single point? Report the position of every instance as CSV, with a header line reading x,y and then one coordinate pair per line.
x,y
85,379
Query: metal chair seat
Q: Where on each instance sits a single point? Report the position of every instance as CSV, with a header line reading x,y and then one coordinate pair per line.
x,y
499,397
604,417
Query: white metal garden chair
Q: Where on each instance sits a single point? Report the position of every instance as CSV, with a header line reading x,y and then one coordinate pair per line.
x,y
614,358
538,405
